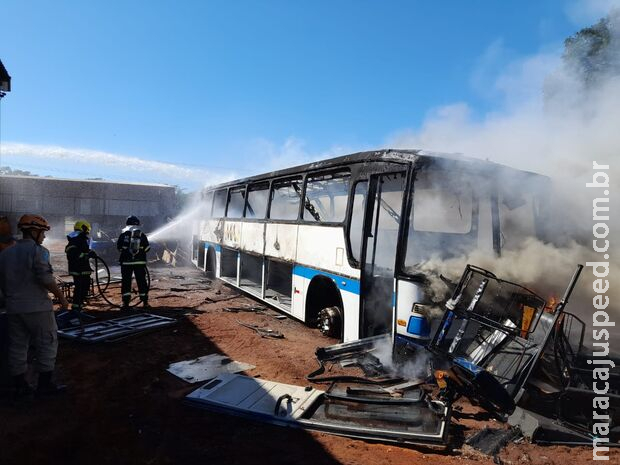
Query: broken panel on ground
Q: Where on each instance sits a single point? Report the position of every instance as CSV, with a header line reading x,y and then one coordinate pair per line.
x,y
116,329
416,421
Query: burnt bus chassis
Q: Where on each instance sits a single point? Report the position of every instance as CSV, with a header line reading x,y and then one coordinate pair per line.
x,y
362,165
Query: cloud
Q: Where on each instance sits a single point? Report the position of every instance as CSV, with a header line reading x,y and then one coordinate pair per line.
x,y
108,165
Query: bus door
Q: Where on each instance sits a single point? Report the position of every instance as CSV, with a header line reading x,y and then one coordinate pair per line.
x,y
380,240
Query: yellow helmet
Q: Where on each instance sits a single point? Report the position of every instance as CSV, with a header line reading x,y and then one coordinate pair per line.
x,y
82,225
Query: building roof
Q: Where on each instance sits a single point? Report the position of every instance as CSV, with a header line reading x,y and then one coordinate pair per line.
x,y
97,181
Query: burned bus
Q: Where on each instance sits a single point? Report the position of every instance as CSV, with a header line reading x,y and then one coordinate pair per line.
x,y
345,243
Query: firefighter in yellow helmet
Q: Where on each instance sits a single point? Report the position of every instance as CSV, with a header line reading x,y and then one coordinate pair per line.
x,y
78,255
26,277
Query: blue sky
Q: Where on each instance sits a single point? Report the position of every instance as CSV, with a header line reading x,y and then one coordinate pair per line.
x,y
125,89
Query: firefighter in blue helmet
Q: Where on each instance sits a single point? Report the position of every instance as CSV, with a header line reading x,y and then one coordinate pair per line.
x,y
133,246
78,255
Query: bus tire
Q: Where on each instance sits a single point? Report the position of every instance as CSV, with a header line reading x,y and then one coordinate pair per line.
x,y
330,322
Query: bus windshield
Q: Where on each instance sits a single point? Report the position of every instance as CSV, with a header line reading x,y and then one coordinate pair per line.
x,y
454,214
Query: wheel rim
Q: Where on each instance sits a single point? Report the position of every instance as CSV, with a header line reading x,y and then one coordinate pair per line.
x,y
330,322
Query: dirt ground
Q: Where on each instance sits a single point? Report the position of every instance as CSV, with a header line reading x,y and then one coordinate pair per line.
x,y
123,407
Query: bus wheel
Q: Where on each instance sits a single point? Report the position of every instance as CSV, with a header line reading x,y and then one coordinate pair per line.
x,y
329,322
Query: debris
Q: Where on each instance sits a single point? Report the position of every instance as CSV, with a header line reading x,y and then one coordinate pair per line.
x,y
228,297
410,422
252,309
206,367
116,328
401,387
263,332
491,440
493,334
353,354
66,319
540,429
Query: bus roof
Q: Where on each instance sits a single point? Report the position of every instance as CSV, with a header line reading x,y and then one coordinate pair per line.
x,y
385,155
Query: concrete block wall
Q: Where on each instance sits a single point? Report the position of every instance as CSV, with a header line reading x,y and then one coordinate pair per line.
x,y
105,203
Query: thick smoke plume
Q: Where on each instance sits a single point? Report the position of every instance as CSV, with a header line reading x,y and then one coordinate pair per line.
x,y
567,120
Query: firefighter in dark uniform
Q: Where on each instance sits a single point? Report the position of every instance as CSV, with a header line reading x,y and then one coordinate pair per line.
x,y
133,246
78,255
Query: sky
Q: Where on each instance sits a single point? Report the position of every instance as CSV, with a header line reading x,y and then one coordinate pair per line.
x,y
196,92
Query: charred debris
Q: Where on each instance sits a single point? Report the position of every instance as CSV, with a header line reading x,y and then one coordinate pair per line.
x,y
498,344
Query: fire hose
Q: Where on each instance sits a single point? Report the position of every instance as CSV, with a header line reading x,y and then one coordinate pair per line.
x,y
103,285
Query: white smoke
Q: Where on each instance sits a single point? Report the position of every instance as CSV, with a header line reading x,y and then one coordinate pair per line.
x,y
550,123
411,368
291,152
590,10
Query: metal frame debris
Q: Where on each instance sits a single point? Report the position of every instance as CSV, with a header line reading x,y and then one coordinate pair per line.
x,y
117,329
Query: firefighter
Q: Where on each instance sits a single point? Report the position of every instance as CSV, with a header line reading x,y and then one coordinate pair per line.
x,y
6,236
6,241
78,255
133,246
26,277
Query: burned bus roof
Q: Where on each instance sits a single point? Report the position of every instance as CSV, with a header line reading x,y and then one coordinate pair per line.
x,y
420,157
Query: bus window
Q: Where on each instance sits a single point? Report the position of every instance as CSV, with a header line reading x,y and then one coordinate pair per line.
x,y
258,198
518,212
285,197
444,217
356,227
219,203
236,202
326,197
207,203
442,208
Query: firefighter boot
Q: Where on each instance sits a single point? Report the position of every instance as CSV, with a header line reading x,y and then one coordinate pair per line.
x,y
145,303
23,390
47,387
126,300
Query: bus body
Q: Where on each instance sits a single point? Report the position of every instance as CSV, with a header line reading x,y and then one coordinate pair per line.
x,y
347,243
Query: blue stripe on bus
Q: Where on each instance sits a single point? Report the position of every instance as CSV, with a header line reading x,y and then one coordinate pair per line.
x,y
218,248
346,284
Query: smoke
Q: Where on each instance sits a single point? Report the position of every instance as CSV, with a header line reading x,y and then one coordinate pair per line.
x,y
590,10
291,152
411,368
557,116
111,165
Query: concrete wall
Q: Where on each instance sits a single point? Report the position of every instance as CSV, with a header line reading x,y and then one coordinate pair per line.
x,y
105,203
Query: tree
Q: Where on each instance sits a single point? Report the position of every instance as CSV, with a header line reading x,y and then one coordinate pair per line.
x,y
7,170
591,58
